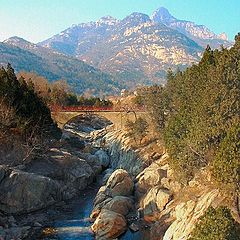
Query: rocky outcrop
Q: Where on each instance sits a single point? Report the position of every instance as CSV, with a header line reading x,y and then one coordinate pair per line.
x,y
42,182
157,174
121,154
112,204
187,215
154,202
25,192
151,176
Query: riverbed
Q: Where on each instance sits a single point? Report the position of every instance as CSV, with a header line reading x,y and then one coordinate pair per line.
x,y
74,223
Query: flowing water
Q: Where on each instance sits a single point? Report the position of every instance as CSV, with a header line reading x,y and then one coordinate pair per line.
x,y
74,223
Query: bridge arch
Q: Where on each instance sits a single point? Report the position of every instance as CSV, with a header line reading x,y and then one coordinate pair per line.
x,y
118,118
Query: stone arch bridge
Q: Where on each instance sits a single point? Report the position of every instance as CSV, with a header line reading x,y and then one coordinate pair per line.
x,y
118,118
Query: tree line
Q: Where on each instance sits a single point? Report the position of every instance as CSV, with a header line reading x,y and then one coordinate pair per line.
x,y
59,92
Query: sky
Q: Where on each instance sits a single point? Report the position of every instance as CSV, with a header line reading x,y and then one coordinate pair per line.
x,y
37,20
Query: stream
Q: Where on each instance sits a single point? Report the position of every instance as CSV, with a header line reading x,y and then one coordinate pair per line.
x,y
74,223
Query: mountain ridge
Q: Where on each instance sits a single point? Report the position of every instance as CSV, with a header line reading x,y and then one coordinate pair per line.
x,y
27,56
135,50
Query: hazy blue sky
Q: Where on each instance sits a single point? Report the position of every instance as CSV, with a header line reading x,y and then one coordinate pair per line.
x,y
36,20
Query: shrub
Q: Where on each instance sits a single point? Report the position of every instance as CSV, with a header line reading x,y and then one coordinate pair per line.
x,y
216,224
226,165
137,129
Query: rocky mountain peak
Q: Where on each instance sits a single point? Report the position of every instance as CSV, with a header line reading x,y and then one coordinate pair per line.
x,y
137,17
162,15
19,42
109,20
223,36
15,39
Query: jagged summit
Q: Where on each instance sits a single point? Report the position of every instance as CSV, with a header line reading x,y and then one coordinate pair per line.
x,y
162,15
15,39
109,20
199,33
136,18
19,42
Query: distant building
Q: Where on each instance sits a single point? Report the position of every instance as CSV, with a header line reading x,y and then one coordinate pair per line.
x,y
124,93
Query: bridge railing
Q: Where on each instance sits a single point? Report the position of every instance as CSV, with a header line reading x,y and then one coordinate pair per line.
x,y
57,108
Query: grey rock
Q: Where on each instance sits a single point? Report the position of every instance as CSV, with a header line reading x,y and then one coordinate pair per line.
x,y
120,204
134,227
25,192
120,183
103,158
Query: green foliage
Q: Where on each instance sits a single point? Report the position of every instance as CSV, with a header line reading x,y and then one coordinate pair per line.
x,y
156,102
94,101
137,129
197,112
31,113
226,165
216,224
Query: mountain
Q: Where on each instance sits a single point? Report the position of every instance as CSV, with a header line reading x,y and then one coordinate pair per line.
x,y
138,49
199,33
27,56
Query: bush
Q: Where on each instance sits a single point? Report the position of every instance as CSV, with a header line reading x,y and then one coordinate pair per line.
x,y
25,121
226,165
137,129
216,224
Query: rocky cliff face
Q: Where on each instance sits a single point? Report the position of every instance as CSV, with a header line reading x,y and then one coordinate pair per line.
x,y
199,33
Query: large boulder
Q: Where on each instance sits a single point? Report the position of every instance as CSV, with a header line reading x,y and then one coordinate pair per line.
x,y
77,173
119,204
120,183
109,225
26,192
151,176
103,158
92,160
154,202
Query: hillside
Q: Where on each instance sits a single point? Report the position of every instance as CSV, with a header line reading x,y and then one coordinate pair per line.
x,y
27,56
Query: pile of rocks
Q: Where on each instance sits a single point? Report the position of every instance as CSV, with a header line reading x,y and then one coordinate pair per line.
x,y
112,204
